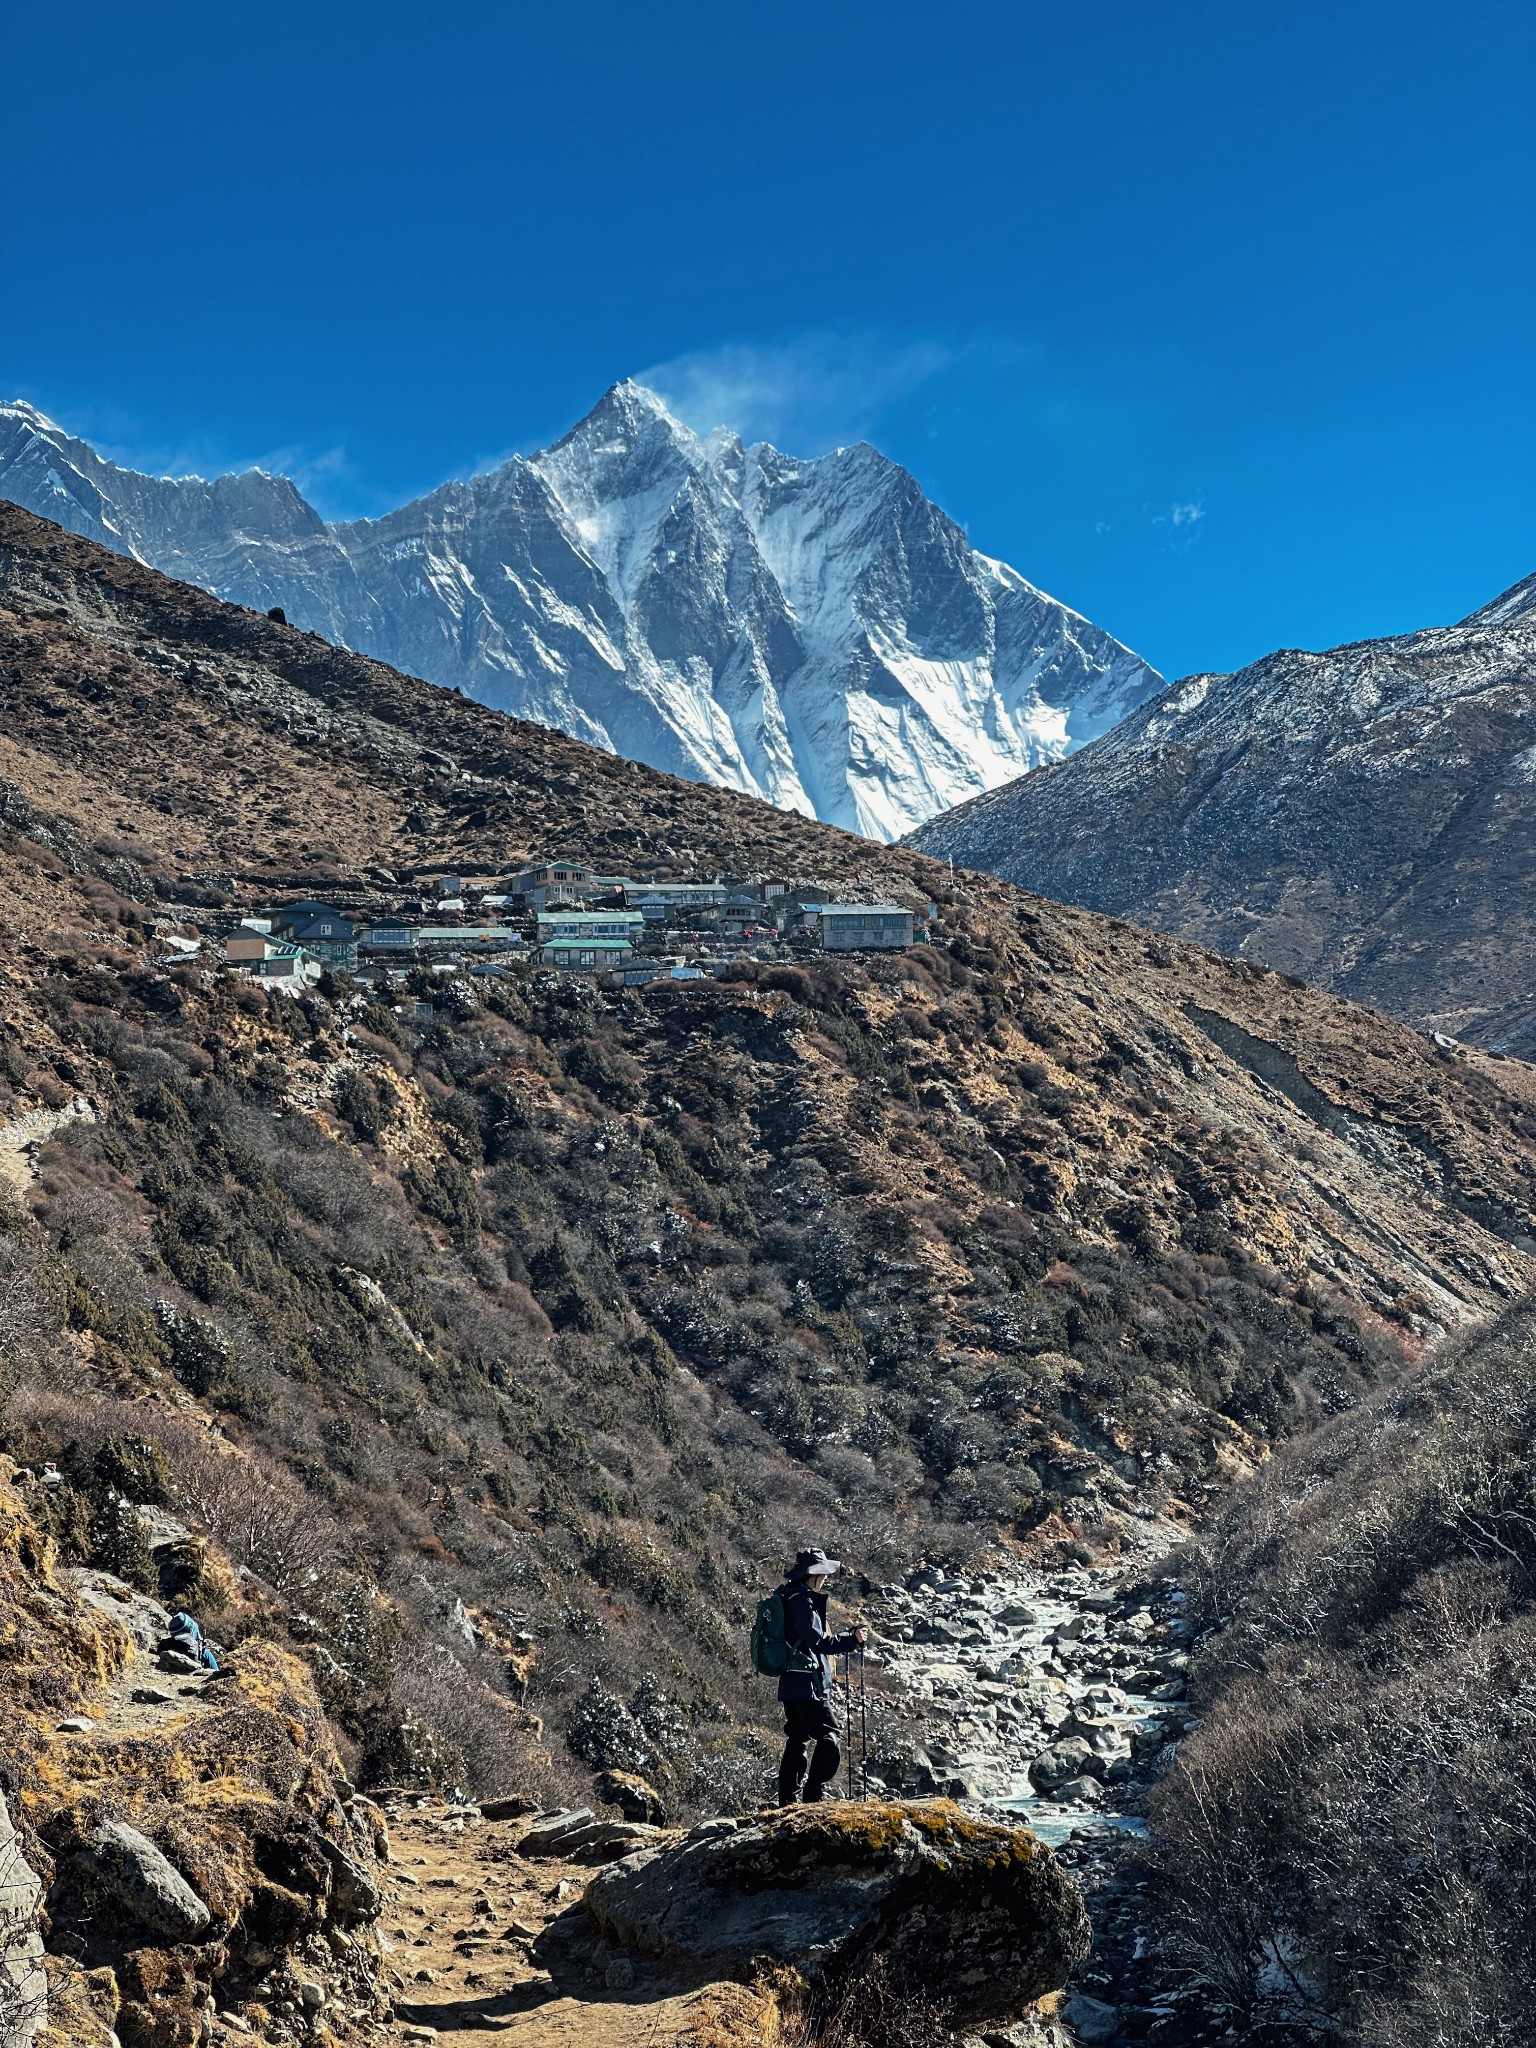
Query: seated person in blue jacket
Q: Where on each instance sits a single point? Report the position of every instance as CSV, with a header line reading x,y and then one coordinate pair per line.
x,y
806,1696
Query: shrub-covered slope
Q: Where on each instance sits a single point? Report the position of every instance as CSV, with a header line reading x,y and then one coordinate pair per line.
x,y
562,1315
1346,1842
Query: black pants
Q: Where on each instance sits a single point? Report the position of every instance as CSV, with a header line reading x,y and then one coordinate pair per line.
x,y
806,1722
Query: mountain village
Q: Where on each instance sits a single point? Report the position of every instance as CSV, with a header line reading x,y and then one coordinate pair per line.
x,y
560,915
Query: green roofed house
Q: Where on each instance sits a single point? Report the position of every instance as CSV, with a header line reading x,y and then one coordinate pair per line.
x,y
256,953
321,931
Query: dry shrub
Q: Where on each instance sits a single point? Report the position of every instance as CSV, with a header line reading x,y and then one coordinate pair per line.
x,y
1349,1839
445,1725
869,2010
31,1323
264,1519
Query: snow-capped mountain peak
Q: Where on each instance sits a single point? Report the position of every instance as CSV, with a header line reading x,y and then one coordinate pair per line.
x,y
813,631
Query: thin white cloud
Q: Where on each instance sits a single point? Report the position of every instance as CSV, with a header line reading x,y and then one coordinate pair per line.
x,y
809,393
1182,522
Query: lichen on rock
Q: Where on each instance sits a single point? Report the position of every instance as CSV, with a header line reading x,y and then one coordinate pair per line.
x,y
976,1913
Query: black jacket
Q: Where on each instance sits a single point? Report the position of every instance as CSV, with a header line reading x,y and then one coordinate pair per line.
x,y
805,1628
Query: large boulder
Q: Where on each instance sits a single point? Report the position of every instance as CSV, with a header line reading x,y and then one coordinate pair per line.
x,y
974,1913
136,1876
1064,1760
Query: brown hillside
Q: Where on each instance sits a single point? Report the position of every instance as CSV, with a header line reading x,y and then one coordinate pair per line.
x,y
577,1308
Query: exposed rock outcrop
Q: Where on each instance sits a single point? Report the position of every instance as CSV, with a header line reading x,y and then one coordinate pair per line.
x,y
23,1986
977,1914
192,1839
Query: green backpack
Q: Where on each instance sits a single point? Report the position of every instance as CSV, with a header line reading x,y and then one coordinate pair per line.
x,y
772,1655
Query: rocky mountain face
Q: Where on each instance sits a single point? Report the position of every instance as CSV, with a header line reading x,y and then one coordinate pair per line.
x,y
1361,818
814,632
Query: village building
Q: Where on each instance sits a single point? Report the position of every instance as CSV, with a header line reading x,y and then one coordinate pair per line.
x,y
250,943
306,912
262,957
863,927
741,912
320,930
554,881
641,973
461,938
585,955
658,899
585,926
388,935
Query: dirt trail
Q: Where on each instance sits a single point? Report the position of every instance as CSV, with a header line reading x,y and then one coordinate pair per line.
x,y
462,1909
21,1140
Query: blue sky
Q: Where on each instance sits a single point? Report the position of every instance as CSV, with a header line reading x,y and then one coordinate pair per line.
x,y
1215,320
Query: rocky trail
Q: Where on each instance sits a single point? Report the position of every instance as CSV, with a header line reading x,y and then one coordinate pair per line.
x,y
23,1138
1034,1698
994,1697
463,1916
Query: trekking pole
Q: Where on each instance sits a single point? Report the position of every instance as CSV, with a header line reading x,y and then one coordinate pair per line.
x,y
863,1731
847,1723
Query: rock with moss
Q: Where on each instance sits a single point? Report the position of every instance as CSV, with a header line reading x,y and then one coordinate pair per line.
x,y
974,1913
636,1798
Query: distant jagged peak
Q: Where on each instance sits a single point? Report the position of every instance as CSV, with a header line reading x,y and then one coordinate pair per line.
x,y
633,400
628,450
627,416
28,415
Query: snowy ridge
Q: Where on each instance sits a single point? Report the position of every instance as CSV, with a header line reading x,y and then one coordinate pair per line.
x,y
813,632
1364,818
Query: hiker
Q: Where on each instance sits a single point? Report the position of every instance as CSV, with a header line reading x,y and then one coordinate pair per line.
x,y
805,1688
186,1639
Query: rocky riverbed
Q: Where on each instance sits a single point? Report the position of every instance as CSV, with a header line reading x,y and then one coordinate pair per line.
x,y
1052,1697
